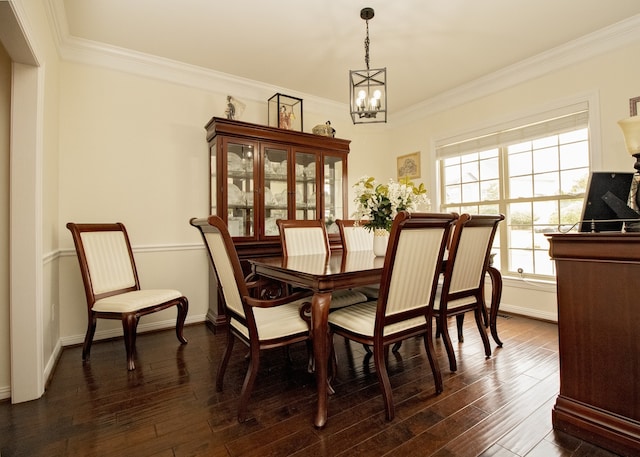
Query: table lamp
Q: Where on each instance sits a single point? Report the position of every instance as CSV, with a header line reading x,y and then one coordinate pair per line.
x,y
631,131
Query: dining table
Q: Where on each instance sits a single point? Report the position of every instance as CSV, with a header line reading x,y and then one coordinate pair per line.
x,y
323,274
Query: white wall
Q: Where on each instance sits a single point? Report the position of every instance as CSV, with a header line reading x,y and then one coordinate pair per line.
x,y
609,79
135,151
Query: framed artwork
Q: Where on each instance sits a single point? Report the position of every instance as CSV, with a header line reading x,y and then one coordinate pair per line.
x,y
409,166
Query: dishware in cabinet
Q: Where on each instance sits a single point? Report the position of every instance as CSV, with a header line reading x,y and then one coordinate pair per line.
x,y
260,174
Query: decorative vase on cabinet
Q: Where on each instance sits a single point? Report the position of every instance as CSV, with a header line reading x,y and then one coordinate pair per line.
x,y
259,174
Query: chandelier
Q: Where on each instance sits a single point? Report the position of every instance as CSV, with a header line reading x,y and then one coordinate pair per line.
x,y
367,88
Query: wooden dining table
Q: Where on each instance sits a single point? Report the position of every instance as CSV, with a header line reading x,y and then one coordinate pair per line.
x,y
323,275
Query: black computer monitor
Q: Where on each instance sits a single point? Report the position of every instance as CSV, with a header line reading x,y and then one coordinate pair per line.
x,y
606,201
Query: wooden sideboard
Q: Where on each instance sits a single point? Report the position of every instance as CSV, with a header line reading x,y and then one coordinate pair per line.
x,y
599,338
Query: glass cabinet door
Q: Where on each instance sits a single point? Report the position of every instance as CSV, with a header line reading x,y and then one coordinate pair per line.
x,y
306,197
333,177
240,187
276,193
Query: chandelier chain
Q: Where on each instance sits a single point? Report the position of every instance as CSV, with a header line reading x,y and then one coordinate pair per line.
x,y
366,47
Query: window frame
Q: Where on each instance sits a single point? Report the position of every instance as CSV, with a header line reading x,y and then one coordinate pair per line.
x,y
502,238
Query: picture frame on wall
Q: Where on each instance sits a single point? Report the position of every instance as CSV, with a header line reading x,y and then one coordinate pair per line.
x,y
408,166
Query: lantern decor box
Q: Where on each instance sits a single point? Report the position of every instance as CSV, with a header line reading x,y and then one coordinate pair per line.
x,y
285,112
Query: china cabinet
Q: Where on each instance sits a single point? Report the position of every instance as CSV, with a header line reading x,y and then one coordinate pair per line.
x,y
259,174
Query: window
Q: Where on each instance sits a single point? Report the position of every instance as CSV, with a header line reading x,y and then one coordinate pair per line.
x,y
536,175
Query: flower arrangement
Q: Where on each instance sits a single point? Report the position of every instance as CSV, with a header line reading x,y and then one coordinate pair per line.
x,y
379,203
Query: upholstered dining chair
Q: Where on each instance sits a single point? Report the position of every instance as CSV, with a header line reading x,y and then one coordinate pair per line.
x,y
303,237
354,235
112,287
260,324
309,237
404,307
462,288
356,238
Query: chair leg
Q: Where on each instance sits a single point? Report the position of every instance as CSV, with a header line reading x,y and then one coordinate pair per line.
x,y
433,361
383,378
459,325
444,332
249,380
311,362
333,365
225,360
183,308
129,326
88,339
483,332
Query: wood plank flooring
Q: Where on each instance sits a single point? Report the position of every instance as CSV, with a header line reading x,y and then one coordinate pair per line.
x,y
500,407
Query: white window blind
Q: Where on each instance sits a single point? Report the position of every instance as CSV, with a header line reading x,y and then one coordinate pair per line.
x,y
549,123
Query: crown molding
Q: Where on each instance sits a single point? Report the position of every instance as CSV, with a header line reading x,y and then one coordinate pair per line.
x,y
604,40
79,50
84,51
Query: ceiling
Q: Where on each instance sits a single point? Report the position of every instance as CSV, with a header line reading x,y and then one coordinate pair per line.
x,y
427,46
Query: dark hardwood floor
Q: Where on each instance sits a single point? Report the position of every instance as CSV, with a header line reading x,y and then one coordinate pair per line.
x,y
500,407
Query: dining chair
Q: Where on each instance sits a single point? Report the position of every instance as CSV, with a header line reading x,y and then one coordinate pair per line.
x,y
404,307
112,287
258,323
462,288
309,237
356,238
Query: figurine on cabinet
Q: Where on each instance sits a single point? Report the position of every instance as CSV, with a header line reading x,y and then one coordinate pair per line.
x,y
324,130
285,118
285,112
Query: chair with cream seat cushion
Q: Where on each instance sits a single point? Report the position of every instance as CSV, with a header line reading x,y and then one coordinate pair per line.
x,y
462,288
356,238
404,307
112,288
260,324
309,238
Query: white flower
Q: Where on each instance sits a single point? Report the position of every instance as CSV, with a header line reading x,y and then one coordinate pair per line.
x,y
379,204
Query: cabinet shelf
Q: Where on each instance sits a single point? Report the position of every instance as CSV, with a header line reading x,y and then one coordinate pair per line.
x,y
281,173
259,174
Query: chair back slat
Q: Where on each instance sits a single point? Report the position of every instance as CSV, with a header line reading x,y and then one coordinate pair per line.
x,y
226,265
470,251
355,237
105,258
305,241
470,258
303,237
108,261
412,265
224,270
416,261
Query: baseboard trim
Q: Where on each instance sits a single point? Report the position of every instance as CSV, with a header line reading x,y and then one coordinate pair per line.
x,y
5,392
528,312
75,340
